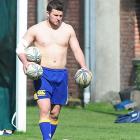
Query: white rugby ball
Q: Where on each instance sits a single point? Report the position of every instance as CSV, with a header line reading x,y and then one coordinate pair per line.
x,y
83,77
33,54
34,71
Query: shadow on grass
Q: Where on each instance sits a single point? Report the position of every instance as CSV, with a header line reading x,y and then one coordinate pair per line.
x,y
105,108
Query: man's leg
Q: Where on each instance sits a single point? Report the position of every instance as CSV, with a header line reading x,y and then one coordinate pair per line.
x,y
44,122
55,110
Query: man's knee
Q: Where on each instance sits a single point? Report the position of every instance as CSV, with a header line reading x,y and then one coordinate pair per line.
x,y
44,113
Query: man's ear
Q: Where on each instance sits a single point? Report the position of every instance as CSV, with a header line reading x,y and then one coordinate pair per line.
x,y
47,15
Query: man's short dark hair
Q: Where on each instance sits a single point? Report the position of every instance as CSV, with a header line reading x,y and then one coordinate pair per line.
x,y
55,4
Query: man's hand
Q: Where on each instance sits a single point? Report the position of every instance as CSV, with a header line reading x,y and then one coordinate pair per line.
x,y
25,65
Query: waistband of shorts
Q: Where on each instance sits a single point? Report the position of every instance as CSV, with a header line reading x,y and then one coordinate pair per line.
x,y
45,68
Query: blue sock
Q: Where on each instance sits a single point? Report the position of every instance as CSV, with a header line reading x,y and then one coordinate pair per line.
x,y
45,128
54,124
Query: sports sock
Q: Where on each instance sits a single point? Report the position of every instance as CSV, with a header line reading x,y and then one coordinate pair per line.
x,y
54,124
45,128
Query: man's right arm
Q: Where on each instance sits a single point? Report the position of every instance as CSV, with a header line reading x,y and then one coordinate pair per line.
x,y
25,42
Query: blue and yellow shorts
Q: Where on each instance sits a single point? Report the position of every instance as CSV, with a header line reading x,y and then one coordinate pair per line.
x,y
53,84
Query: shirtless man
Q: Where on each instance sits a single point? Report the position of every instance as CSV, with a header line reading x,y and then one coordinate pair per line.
x,y
52,37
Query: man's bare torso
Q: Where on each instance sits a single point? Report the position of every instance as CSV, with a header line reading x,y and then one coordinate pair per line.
x,y
53,44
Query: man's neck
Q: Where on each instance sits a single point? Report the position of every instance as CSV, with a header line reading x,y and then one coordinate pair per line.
x,y
52,25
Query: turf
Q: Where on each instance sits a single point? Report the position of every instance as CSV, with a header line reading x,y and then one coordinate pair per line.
x,y
94,122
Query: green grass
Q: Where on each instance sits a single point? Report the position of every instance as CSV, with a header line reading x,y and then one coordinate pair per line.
x,y
94,122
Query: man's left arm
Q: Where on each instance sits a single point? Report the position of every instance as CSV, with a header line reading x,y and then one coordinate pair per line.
x,y
77,51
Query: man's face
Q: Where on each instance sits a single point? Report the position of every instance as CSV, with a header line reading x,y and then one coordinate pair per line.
x,y
55,17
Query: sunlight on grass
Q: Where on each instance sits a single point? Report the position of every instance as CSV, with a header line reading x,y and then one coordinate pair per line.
x,y
94,122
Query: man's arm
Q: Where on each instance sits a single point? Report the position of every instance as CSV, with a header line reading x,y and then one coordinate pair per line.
x,y
74,44
25,42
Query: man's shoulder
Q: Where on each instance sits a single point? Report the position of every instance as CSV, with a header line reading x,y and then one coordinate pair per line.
x,y
35,26
68,26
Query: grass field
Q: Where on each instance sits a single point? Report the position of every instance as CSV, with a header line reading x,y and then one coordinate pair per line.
x,y
94,122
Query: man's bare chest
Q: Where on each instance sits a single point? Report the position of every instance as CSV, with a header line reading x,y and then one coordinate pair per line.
x,y
53,37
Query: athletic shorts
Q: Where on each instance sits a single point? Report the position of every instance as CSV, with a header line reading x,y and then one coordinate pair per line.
x,y
53,84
